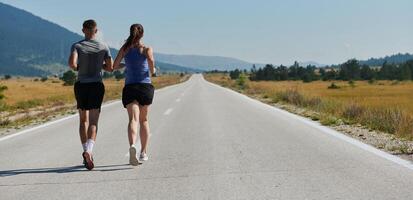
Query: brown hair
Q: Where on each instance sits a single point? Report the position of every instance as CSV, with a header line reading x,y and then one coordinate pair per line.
x,y
89,24
135,36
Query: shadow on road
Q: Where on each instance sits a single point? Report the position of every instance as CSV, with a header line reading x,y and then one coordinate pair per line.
x,y
63,170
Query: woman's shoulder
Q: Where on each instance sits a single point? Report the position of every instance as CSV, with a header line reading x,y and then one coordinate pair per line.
x,y
147,50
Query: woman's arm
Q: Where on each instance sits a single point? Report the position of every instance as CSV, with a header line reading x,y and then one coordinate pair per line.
x,y
119,57
151,60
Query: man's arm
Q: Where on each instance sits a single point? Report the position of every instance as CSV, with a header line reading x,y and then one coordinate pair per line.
x,y
73,60
108,66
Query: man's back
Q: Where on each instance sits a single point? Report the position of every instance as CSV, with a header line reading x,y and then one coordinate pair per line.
x,y
91,56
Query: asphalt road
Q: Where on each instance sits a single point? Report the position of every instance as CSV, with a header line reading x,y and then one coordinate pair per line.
x,y
207,143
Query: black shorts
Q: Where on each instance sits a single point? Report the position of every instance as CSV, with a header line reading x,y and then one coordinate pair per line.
x,y
141,92
89,95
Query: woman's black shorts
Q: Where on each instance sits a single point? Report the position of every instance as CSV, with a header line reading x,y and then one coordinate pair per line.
x,y
89,95
141,92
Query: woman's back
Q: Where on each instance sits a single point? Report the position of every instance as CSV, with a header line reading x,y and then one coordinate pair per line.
x,y
137,68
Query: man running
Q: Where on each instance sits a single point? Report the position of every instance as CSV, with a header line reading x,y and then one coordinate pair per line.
x,y
88,57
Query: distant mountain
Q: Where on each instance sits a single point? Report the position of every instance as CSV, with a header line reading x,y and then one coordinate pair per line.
x,y
167,67
312,63
32,46
393,59
205,62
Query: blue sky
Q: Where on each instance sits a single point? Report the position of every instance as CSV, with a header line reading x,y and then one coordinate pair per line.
x,y
264,31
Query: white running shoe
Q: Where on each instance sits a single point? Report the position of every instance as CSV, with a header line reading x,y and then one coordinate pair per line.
x,y
133,160
143,157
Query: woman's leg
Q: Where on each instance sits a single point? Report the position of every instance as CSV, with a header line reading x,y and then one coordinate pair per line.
x,y
144,127
133,112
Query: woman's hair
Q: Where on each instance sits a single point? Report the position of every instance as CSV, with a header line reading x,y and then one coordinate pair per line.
x,y
135,35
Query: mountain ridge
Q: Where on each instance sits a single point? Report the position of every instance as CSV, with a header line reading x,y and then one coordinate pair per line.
x,y
33,46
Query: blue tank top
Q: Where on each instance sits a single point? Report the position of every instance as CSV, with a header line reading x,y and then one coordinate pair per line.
x,y
137,68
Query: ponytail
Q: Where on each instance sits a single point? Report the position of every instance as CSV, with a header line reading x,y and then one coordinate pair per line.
x,y
135,36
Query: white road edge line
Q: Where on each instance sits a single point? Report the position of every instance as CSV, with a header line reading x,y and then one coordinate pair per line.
x,y
167,112
70,117
328,130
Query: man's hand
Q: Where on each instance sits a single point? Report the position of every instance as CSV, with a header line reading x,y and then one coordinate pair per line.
x,y
108,66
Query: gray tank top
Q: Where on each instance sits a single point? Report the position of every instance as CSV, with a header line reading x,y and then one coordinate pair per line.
x,y
91,56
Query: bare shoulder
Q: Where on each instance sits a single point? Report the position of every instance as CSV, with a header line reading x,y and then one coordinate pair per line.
x,y
148,50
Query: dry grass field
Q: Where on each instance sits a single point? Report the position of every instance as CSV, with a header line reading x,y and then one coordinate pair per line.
x,y
382,105
25,95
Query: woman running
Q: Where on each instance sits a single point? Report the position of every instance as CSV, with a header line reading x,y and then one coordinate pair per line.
x,y
138,91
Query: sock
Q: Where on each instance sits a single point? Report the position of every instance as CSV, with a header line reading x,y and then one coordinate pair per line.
x,y
84,145
90,144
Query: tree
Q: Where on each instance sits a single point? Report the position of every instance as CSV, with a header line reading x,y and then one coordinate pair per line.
x,y
69,78
350,70
366,73
405,73
234,74
7,76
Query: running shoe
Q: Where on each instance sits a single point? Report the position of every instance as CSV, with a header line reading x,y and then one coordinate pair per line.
x,y
87,157
133,160
143,157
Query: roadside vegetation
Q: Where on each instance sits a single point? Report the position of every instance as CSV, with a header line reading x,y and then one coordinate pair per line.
x,y
25,100
377,102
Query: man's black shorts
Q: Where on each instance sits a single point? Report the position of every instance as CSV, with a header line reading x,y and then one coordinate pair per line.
x,y
89,95
141,92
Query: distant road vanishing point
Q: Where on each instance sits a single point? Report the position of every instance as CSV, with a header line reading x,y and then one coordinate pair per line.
x,y
207,142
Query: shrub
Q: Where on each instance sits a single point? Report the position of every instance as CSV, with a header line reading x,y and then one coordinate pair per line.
x,y
390,120
333,86
28,104
2,88
353,111
7,76
118,75
69,78
242,81
291,96
352,83
43,79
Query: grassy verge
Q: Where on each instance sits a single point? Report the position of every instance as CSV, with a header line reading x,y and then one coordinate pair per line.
x,y
29,100
383,106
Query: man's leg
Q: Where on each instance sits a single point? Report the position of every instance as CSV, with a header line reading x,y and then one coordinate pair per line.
x,y
91,138
92,128
83,127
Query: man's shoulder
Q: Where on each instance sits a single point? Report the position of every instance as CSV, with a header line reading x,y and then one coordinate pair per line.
x,y
78,43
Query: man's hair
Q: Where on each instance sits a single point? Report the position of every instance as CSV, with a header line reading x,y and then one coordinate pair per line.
x,y
89,24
